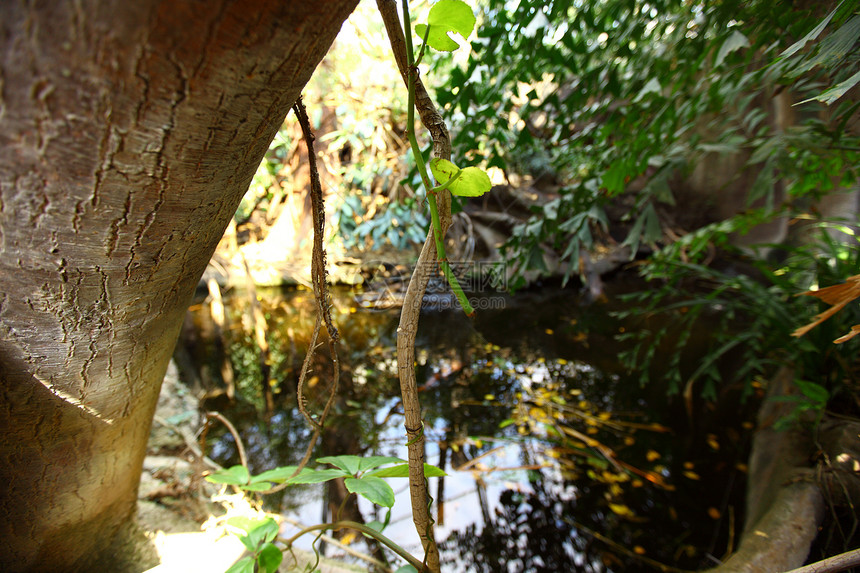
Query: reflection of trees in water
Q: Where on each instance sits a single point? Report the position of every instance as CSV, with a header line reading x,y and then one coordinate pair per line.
x,y
527,533
461,364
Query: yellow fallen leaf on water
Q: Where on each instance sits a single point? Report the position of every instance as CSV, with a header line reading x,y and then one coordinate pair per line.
x,y
621,510
713,442
713,513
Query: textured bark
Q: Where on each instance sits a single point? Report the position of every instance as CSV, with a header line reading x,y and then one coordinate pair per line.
x,y
129,132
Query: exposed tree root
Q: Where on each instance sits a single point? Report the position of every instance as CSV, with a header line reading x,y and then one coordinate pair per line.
x,y
787,495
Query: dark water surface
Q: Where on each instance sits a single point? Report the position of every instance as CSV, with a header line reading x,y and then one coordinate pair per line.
x,y
557,459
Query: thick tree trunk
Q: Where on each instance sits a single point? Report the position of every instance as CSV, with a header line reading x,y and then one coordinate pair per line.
x,y
129,132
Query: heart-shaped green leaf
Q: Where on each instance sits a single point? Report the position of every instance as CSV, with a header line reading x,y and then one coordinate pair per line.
x,y
263,530
447,16
269,558
472,181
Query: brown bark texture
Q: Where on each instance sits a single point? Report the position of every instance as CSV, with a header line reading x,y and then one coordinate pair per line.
x,y
129,132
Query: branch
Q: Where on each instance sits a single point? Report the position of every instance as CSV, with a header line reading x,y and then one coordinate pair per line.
x,y
369,531
343,547
243,459
411,309
833,564
320,283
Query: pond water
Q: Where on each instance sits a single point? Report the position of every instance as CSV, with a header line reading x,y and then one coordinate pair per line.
x,y
557,459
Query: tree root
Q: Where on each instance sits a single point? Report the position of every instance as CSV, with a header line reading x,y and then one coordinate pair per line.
x,y
791,481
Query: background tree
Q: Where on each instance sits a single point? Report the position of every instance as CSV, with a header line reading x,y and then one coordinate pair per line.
x,y
129,132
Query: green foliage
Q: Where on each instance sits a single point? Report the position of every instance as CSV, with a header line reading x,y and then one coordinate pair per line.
x,y
399,224
812,399
447,15
257,536
747,321
623,91
362,476
836,53
269,179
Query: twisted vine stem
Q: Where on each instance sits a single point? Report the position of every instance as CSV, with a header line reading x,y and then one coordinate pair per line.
x,y
401,46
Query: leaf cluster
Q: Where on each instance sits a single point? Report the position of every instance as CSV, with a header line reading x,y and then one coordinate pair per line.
x,y
747,320
361,475
619,92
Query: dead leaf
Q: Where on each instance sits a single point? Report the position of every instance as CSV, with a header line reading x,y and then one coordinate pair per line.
x,y
837,296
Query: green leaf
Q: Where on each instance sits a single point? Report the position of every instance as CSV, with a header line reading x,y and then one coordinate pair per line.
x,y
256,486
373,488
433,471
647,228
243,565
652,86
269,558
550,209
398,471
472,181
371,462
265,530
402,471
733,43
447,16
349,464
242,523
407,569
797,46
814,392
317,476
614,177
831,95
277,475
236,475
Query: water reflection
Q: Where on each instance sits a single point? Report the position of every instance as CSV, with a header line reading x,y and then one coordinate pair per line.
x,y
556,459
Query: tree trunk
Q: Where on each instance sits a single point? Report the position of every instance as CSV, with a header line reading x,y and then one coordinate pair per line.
x,y
129,132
